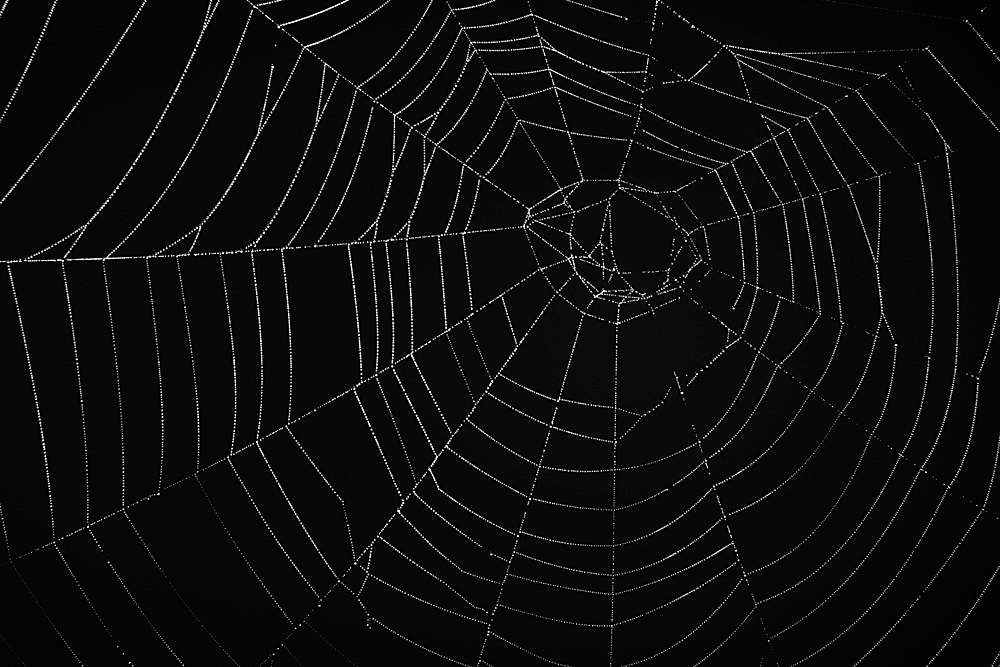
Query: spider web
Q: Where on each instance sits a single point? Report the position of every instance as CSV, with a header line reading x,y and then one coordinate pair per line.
x,y
534,331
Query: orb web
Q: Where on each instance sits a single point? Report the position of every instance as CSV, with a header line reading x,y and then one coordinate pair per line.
x,y
534,332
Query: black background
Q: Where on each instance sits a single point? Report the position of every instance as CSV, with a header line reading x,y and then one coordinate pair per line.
x,y
285,326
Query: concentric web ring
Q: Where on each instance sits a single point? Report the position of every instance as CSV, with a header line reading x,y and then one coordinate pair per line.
x,y
512,332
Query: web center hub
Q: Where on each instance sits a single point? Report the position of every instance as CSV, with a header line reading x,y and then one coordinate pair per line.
x,y
621,240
